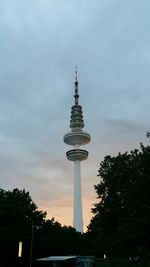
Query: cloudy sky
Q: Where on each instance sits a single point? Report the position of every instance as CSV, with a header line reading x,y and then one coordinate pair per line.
x,y
41,42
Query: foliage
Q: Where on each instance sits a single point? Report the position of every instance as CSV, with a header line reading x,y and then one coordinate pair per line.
x,y
121,217
20,220
54,239
17,211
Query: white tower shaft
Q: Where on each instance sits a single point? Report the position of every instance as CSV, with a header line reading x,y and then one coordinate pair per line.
x,y
77,217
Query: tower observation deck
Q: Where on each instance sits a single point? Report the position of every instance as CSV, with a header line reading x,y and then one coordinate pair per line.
x,y
77,137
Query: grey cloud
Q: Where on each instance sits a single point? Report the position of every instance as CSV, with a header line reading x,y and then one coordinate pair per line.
x,y
41,42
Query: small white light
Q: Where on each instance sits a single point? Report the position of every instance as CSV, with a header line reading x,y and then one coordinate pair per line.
x,y
20,249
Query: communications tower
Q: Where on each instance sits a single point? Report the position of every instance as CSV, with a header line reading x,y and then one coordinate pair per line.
x,y
77,137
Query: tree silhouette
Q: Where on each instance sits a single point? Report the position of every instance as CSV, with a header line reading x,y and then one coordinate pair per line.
x,y
121,217
17,211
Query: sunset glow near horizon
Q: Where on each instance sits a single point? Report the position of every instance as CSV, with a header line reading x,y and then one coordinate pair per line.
x,y
41,42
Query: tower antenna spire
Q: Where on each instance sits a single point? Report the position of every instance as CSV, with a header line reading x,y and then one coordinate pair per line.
x,y
76,87
76,73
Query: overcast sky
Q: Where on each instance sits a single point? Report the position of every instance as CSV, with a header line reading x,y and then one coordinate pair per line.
x,y
41,42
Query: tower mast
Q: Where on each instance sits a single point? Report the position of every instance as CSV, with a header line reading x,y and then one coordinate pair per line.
x,y
77,138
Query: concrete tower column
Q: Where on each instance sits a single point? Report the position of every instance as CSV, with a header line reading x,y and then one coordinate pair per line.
x,y
77,218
